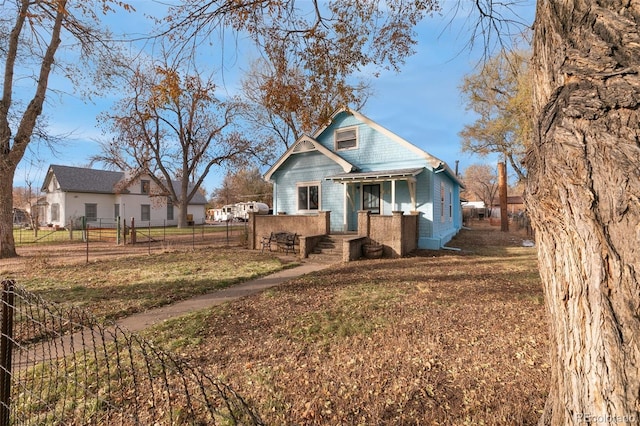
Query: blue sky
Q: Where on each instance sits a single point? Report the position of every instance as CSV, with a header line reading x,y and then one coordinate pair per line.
x,y
421,103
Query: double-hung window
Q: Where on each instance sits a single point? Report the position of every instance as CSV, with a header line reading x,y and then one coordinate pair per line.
x,y
55,212
346,138
309,196
91,212
145,212
169,209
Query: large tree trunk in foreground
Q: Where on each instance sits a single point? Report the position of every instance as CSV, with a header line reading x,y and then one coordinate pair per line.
x,y
584,198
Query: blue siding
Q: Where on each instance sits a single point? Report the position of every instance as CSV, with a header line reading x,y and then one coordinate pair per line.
x,y
375,151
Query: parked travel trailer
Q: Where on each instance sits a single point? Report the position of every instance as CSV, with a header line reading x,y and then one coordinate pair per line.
x,y
238,211
242,210
222,214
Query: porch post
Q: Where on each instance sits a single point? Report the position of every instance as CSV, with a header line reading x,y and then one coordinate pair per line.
x,y
345,205
412,192
393,195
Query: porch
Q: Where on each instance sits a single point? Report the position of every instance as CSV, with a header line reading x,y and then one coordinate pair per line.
x,y
397,233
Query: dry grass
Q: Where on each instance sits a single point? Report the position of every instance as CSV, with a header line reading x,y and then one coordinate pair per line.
x,y
445,337
114,287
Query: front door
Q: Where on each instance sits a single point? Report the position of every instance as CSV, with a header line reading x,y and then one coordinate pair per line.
x,y
371,198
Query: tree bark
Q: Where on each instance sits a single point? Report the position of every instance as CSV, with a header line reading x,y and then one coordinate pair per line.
x,y
584,199
7,243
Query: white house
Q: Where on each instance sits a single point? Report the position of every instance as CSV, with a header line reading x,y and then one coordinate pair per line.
x,y
74,192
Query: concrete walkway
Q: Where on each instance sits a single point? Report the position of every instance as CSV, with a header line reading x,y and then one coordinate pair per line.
x,y
138,322
85,339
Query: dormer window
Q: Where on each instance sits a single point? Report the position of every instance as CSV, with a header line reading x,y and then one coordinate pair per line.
x,y
145,186
346,138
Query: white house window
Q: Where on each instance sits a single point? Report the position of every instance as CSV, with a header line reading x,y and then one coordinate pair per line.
x,y
145,186
169,209
55,212
371,198
309,196
91,212
145,212
346,138
116,211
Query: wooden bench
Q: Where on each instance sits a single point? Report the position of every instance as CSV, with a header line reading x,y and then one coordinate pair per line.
x,y
284,241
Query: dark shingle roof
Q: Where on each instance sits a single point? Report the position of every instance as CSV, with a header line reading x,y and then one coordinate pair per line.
x,y
78,179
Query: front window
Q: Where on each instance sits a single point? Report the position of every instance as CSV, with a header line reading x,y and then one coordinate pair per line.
x,y
91,212
309,197
145,212
346,139
145,186
371,198
116,211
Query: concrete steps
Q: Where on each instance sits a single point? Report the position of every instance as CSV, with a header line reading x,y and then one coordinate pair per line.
x,y
329,249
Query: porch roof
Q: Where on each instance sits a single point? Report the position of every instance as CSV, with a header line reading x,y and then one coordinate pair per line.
x,y
378,175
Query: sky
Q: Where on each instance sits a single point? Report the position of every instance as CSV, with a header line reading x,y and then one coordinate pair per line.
x,y
422,103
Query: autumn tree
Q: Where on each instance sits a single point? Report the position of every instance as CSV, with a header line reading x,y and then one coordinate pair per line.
x,y
312,50
36,38
481,183
283,105
174,129
500,95
245,184
582,194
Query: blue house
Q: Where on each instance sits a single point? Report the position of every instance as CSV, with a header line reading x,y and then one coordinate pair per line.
x,y
353,165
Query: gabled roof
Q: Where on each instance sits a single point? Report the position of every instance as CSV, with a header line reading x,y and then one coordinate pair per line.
x,y
308,144
437,164
92,181
79,179
432,161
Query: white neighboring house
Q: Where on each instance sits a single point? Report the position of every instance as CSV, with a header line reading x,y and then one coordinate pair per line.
x,y
73,192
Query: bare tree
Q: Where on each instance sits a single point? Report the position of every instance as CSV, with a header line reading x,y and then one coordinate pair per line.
x,y
583,192
173,128
500,95
481,182
245,184
33,33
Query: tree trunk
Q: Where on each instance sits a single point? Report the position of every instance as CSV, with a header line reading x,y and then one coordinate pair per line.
x,y
7,243
584,198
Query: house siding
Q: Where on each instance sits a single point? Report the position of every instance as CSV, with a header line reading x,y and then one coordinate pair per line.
x,y
304,167
72,205
376,150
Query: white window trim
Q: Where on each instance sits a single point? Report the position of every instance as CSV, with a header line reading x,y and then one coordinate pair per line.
x,y
344,129
307,184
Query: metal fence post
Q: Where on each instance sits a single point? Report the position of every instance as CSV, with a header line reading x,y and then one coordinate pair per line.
x,y
5,350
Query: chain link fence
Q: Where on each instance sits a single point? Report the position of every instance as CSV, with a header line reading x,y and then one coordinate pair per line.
x,y
60,366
